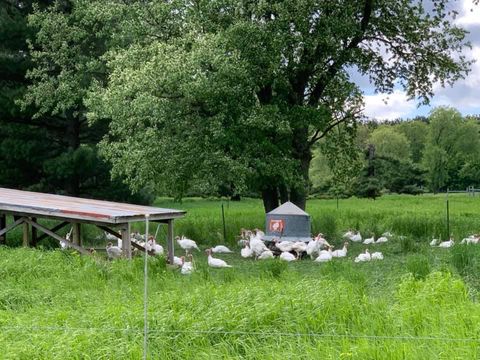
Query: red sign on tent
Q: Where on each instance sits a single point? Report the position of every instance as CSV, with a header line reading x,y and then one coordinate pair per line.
x,y
276,225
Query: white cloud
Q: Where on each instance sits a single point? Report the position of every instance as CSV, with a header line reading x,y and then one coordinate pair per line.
x,y
469,15
388,106
464,94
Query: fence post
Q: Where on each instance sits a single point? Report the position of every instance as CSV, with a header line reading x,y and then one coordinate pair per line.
x,y
448,218
224,226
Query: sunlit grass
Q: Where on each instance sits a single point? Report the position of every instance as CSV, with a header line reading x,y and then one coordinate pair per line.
x,y
419,303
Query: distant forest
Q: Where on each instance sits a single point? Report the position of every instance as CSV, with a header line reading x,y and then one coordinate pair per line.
x,y
434,153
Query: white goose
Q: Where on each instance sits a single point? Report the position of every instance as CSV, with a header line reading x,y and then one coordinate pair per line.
x,y
434,242
257,246
342,252
369,241
177,261
472,239
268,254
68,236
447,244
287,256
216,263
363,257
357,237
284,246
246,252
325,255
349,234
221,249
186,244
322,241
153,246
299,247
113,252
313,247
187,266
381,239
377,256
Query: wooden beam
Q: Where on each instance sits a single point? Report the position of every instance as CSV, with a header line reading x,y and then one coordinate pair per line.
x,y
170,243
57,237
34,239
3,224
54,229
26,236
110,231
17,222
126,241
76,234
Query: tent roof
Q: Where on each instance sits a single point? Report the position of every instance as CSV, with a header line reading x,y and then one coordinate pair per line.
x,y
288,208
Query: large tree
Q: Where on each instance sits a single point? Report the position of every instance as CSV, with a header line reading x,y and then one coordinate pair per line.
x,y
240,91
52,55
452,150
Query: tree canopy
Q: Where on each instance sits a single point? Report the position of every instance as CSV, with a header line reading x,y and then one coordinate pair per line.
x,y
227,94
245,89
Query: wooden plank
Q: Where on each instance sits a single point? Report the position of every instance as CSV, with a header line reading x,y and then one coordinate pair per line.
x,y
126,241
26,235
110,231
141,248
17,222
3,224
170,243
57,237
34,239
54,229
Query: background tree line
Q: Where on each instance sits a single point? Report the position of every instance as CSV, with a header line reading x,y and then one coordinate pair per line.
x,y
125,99
408,156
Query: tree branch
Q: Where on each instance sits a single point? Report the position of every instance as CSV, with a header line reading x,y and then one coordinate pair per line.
x,y
343,56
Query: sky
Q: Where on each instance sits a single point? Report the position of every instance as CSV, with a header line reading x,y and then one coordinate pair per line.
x,y
464,95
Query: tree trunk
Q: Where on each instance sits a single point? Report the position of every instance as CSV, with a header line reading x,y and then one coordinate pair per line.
x,y
270,198
303,155
282,188
299,193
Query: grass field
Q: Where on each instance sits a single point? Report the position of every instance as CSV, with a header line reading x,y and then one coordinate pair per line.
x,y
419,303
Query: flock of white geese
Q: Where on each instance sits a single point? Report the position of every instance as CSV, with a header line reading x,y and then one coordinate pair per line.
x,y
318,249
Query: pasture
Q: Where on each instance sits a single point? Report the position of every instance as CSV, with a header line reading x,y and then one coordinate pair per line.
x,y
418,303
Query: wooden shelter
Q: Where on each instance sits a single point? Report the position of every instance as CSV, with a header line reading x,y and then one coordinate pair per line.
x,y
115,218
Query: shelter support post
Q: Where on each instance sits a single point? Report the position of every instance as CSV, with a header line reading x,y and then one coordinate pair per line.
x,y
76,234
3,225
25,234
34,239
170,241
126,241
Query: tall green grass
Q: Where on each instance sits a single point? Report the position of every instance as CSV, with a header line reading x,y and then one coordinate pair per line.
x,y
419,303
56,305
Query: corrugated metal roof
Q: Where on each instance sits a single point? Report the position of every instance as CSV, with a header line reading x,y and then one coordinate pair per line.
x,y
288,208
68,207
